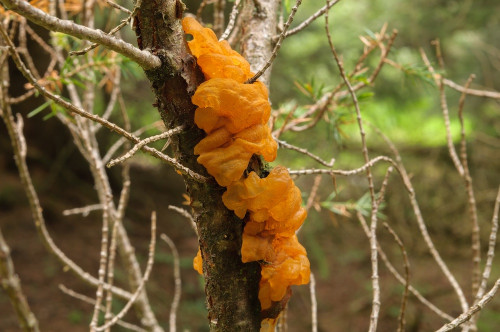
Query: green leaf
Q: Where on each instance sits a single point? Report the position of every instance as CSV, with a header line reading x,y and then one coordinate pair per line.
x,y
39,108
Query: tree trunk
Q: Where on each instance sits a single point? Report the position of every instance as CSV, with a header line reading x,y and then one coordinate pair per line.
x,y
231,287
259,26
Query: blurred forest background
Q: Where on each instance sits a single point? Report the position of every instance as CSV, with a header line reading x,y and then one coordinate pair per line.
x,y
403,103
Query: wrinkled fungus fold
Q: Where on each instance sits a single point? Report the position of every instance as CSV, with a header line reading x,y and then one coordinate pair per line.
x,y
234,117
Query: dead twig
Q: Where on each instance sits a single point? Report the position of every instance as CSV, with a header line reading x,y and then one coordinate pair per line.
x,y
178,283
138,291
373,222
466,316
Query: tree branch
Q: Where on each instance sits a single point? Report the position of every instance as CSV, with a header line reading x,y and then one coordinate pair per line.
x,y
143,58
12,287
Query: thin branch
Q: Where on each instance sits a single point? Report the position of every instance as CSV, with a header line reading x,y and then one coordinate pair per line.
x,y
117,6
314,192
123,23
201,7
491,249
111,151
471,202
314,303
406,263
11,285
17,139
143,143
39,40
466,316
113,97
402,280
373,222
143,58
178,283
218,15
385,53
108,315
91,301
232,20
306,152
310,19
421,223
446,116
102,264
278,44
138,291
185,214
84,211
472,92
21,98
321,106
111,126
36,209
361,169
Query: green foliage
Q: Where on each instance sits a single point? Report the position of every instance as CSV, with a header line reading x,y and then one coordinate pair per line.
x,y
362,205
403,102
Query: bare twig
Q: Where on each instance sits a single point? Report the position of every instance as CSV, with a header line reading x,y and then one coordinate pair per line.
x,y
310,19
232,20
471,202
178,283
218,14
373,222
404,299
314,192
91,301
314,303
121,141
117,6
185,214
278,44
39,40
84,211
402,280
464,317
145,278
112,32
103,261
444,108
421,223
36,209
143,143
117,220
143,58
472,92
21,98
74,109
10,283
361,169
385,53
201,7
491,249
306,152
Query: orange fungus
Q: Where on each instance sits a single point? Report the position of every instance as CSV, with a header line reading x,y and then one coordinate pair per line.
x,y
273,205
234,116
198,263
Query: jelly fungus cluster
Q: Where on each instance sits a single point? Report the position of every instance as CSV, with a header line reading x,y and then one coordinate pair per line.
x,y
234,116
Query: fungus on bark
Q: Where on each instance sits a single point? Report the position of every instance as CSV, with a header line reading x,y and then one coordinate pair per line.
x,y
234,116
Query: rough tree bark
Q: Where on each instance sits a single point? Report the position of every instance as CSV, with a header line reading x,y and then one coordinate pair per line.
x,y
259,26
231,287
